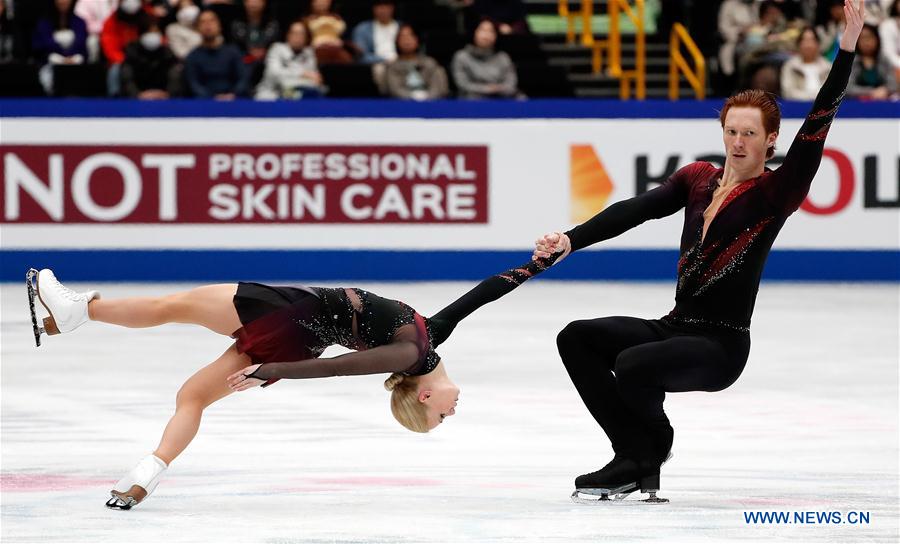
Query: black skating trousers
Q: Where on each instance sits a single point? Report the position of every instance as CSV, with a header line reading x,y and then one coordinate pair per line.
x,y
623,367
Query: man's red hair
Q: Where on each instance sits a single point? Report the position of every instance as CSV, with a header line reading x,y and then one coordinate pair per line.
x,y
764,102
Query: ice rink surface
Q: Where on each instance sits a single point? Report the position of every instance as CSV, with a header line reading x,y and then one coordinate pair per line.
x,y
811,426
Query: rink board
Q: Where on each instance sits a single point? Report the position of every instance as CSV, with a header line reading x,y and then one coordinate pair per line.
x,y
439,193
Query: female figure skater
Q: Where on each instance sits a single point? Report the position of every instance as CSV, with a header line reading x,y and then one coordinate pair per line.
x,y
280,332
623,366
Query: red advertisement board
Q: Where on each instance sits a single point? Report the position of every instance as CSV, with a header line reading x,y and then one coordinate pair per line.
x,y
245,184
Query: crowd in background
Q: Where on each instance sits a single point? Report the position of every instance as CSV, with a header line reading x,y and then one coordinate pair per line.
x,y
226,49
275,49
787,47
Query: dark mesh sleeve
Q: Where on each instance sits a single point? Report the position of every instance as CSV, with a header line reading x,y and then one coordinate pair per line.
x,y
624,215
789,184
396,357
489,290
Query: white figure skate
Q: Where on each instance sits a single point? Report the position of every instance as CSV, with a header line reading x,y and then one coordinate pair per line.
x,y
68,310
137,485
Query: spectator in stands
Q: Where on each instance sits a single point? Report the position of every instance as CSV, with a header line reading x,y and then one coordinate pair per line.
x,y
765,78
771,33
889,32
59,38
120,29
253,32
291,70
872,77
806,11
326,27
876,12
509,15
804,73
94,13
830,33
215,69
8,47
792,9
482,72
182,35
376,39
736,18
767,45
150,70
414,75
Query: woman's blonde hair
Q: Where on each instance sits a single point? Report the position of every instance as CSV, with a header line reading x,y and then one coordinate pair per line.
x,y
405,403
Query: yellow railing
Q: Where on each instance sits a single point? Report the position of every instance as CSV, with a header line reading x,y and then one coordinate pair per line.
x,y
613,43
587,10
677,63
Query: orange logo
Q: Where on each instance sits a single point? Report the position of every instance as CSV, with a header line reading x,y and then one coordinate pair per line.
x,y
589,183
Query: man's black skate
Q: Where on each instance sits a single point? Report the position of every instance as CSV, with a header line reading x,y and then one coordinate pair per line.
x,y
30,285
619,478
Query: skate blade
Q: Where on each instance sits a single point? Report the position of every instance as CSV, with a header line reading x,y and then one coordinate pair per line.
x,y
582,497
579,497
120,502
615,495
31,287
653,499
590,495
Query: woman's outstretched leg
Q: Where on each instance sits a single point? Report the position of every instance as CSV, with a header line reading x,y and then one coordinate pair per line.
x,y
200,390
210,306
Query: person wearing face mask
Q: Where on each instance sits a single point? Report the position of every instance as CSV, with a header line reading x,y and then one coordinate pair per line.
x,y
150,68
59,38
182,35
120,29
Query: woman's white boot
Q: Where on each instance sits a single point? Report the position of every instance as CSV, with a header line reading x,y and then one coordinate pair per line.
x,y
137,485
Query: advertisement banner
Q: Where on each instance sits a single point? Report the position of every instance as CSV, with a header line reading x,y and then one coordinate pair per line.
x,y
404,184
245,184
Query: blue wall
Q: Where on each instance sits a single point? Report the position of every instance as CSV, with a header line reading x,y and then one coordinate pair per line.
x,y
218,265
440,109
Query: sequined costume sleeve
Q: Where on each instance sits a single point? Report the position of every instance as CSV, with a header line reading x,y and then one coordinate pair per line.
x,y
405,352
622,216
489,290
788,186
395,357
